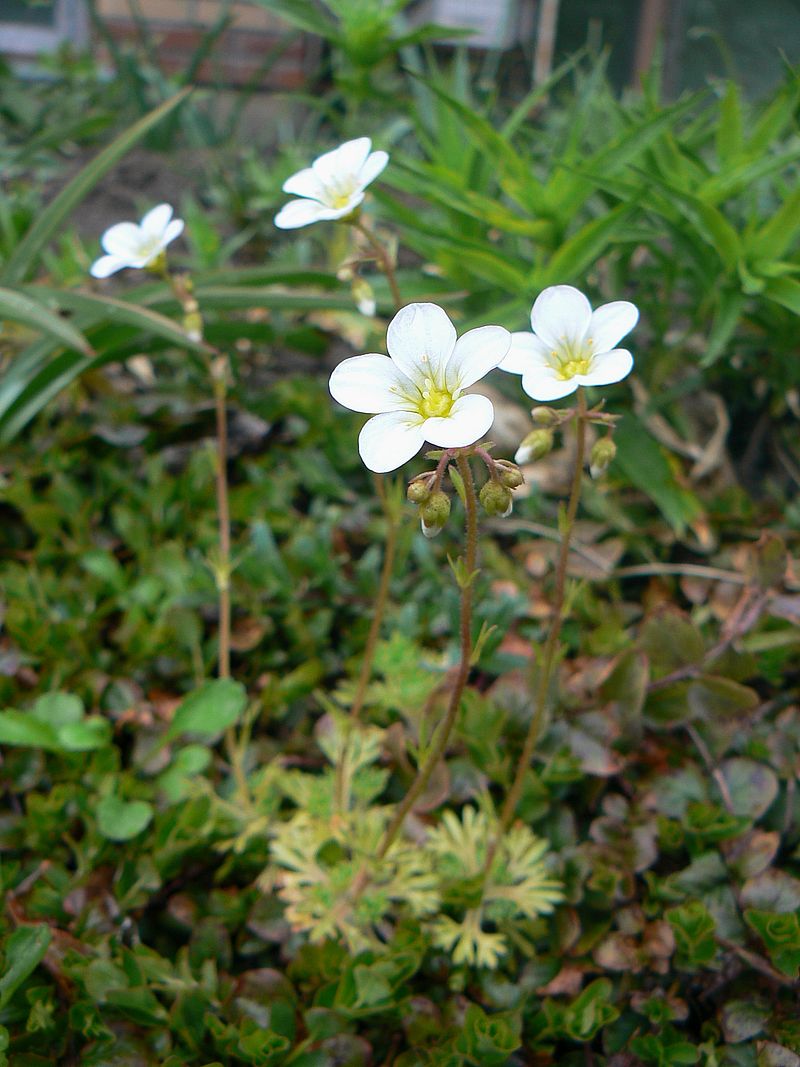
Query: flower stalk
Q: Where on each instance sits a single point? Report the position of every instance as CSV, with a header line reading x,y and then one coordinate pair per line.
x,y
549,652
468,573
382,257
466,582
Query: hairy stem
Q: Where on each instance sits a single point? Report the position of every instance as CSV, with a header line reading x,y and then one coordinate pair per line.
x,y
445,727
223,568
551,643
384,261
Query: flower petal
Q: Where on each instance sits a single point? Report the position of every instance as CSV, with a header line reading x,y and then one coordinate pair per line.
x,y
526,353
470,418
389,440
304,183
301,213
373,166
174,229
608,367
370,383
123,240
156,220
475,354
610,323
344,161
561,316
421,339
542,383
106,265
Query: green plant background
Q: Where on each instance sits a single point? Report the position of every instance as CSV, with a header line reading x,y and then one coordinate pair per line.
x,y
142,921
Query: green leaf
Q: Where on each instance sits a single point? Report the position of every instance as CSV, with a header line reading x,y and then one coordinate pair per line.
x,y
775,237
209,710
58,709
107,309
120,820
694,929
729,130
743,1019
582,248
20,728
781,935
24,951
24,308
488,1040
642,460
49,220
752,786
592,1010
304,14
784,291
86,736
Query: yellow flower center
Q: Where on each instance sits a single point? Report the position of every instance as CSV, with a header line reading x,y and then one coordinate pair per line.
x,y
435,403
571,367
340,200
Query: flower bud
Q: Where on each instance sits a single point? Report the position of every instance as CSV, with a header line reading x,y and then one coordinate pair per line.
x,y
363,296
495,498
603,451
545,417
537,444
419,490
509,474
434,513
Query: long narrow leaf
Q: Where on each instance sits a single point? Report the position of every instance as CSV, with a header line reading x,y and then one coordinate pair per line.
x,y
20,307
110,310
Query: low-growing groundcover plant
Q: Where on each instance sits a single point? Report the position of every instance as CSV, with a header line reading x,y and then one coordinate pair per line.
x,y
531,808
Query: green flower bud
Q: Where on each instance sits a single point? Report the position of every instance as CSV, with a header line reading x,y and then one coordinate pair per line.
x,y
495,498
603,451
537,444
509,474
545,417
419,490
434,513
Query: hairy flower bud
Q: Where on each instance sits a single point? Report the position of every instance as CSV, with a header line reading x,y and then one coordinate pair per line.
x,y
434,513
364,296
495,498
419,490
603,451
509,474
537,444
545,417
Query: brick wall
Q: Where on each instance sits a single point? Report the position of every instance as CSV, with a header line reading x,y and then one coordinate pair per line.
x,y
176,27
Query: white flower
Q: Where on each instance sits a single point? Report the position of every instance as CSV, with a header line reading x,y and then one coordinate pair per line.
x,y
571,345
129,245
417,390
333,186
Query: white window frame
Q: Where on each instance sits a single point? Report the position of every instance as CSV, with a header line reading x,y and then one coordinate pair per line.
x,y
70,24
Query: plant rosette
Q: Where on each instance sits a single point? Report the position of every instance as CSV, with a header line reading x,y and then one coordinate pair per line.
x,y
417,392
571,345
128,244
333,186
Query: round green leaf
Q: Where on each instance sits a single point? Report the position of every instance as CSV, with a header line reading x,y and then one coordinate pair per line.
x,y
210,709
120,820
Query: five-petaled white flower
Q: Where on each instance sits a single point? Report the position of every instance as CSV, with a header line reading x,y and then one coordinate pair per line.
x,y
129,245
333,186
417,391
571,345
